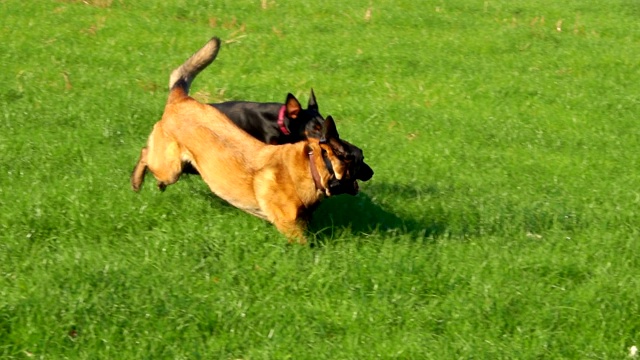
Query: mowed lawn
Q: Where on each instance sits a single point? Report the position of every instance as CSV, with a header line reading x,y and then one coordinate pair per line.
x,y
502,221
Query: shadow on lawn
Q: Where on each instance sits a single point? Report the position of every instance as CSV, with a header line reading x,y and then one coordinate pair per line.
x,y
364,213
423,211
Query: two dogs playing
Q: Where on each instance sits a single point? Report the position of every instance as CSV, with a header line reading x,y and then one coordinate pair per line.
x,y
233,147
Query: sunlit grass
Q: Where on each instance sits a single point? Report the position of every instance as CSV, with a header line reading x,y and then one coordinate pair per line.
x,y
501,222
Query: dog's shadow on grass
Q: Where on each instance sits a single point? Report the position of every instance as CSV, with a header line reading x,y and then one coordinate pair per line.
x,y
366,214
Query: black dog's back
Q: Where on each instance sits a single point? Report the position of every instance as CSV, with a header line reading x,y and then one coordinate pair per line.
x,y
275,123
258,119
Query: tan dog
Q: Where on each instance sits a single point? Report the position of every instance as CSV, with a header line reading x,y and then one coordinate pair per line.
x,y
282,184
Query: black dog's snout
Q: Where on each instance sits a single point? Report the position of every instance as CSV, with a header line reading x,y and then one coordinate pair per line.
x,y
364,172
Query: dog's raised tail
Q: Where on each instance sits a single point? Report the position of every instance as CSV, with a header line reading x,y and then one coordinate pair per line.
x,y
184,75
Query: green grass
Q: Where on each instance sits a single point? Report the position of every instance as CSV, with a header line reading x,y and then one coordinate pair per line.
x,y
502,221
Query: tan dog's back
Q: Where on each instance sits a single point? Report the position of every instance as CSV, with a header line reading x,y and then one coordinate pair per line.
x,y
229,159
278,183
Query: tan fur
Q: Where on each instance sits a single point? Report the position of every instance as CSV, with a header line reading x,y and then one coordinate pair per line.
x,y
268,181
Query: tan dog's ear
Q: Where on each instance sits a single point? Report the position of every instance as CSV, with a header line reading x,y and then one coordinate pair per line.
x,y
307,149
312,102
292,106
329,130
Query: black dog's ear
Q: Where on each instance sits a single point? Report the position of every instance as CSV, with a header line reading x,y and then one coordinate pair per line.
x,y
329,130
292,106
312,102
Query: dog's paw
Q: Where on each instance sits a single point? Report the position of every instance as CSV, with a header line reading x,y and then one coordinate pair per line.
x,y
162,186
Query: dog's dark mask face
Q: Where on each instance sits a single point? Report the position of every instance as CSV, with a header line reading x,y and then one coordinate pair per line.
x,y
331,159
314,127
355,158
349,187
351,155
347,184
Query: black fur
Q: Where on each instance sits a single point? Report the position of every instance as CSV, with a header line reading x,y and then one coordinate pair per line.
x,y
261,121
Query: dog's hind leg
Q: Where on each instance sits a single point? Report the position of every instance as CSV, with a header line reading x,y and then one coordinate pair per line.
x,y
165,164
162,158
137,176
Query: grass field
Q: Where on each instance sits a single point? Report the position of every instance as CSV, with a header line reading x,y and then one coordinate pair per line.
x,y
502,221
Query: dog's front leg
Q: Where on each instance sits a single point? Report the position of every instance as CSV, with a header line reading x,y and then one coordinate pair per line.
x,y
286,218
137,176
293,230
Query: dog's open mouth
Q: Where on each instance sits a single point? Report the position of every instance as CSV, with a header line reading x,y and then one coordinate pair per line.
x,y
345,186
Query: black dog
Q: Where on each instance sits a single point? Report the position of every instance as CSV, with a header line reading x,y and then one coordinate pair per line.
x,y
275,123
